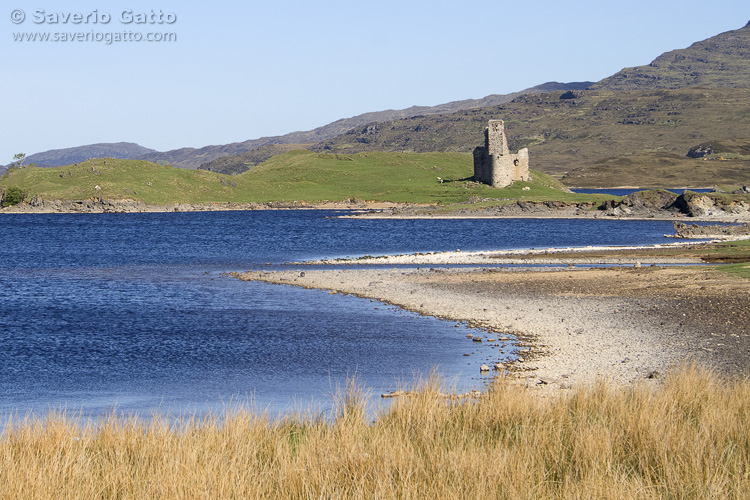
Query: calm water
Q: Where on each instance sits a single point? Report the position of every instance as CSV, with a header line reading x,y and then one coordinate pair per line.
x,y
130,310
625,192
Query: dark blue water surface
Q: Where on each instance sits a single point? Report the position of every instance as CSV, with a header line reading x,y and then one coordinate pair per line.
x,y
99,311
627,191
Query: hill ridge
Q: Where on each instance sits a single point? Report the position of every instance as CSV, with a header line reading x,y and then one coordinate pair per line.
x,y
195,157
722,60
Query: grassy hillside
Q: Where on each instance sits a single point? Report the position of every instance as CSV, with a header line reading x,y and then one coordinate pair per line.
x,y
654,170
563,134
397,177
236,164
301,176
122,179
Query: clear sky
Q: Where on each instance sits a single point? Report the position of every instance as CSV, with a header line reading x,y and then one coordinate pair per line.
x,y
240,70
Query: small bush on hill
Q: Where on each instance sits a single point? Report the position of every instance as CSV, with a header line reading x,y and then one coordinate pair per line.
x,y
13,196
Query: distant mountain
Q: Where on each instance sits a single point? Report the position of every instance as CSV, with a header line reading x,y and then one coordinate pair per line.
x,y
194,158
69,156
720,61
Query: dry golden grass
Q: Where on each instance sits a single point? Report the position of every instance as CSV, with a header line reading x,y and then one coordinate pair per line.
x,y
687,438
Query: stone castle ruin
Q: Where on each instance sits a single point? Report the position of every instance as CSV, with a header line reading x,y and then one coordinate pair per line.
x,y
493,162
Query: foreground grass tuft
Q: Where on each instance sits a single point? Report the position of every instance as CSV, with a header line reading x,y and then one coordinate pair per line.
x,y
687,438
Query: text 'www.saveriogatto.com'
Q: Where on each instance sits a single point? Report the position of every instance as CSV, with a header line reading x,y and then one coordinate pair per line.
x,y
125,23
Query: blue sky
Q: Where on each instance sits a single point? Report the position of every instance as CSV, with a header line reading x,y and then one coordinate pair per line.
x,y
242,70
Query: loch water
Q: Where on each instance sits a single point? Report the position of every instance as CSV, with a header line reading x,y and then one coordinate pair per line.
x,y
132,311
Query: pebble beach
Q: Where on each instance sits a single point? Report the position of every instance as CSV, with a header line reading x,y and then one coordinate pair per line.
x,y
628,323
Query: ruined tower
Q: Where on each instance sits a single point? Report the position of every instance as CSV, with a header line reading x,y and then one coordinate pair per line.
x,y
493,162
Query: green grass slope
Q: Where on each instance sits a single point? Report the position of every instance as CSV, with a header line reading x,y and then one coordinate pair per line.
x,y
122,179
380,176
301,176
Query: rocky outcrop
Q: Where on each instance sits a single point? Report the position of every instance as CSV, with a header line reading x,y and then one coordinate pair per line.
x,y
711,204
712,231
659,203
700,151
650,203
37,204
92,205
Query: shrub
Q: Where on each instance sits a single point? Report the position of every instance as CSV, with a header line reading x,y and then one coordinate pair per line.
x,y
13,196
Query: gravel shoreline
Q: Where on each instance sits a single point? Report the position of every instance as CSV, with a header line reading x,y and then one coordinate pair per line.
x,y
622,324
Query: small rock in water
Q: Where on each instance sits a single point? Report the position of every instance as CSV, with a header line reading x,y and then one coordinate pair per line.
x,y
484,368
393,394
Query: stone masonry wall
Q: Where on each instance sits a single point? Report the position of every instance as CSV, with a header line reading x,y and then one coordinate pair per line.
x,y
494,164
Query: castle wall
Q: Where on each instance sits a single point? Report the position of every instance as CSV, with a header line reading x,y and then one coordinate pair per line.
x,y
494,164
509,168
482,166
494,138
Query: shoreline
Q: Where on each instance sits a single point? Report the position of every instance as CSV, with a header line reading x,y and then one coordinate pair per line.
x,y
623,324
372,211
564,255
520,209
94,206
